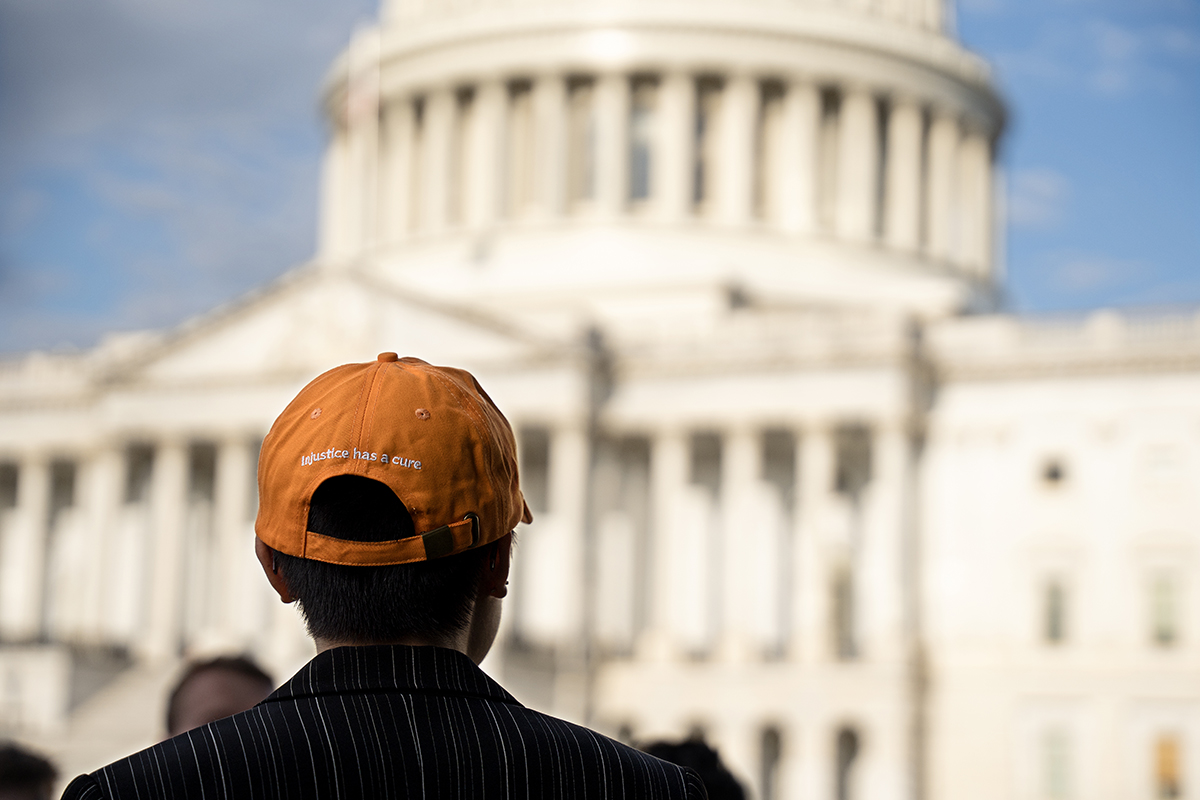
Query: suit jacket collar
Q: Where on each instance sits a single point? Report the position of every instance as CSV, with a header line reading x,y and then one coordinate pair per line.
x,y
391,668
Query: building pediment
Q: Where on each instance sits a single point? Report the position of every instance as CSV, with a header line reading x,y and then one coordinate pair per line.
x,y
314,319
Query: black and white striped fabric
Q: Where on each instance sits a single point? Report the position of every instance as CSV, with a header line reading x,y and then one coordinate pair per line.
x,y
389,722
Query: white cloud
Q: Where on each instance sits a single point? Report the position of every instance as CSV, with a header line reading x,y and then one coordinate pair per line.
x,y
1104,57
1085,273
1037,198
181,141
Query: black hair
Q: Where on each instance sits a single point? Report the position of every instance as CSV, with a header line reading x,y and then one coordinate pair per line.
x,y
239,665
375,605
22,770
697,754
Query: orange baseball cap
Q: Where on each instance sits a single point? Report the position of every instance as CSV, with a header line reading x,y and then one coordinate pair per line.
x,y
430,434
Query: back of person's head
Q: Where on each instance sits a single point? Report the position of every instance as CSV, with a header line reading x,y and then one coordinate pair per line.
x,y
213,689
24,775
384,488
377,604
695,753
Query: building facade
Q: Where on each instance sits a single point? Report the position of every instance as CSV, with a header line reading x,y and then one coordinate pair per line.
x,y
731,271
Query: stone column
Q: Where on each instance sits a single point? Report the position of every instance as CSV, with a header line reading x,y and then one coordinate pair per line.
x,y
975,162
234,532
612,144
879,588
668,475
816,489
485,164
101,496
940,196
168,512
858,165
568,503
735,167
365,164
798,159
676,146
435,168
794,760
333,240
550,136
26,546
902,198
396,208
357,183
742,538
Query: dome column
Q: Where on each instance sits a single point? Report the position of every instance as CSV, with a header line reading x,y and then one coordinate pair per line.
x,y
484,153
902,198
943,155
974,159
436,138
676,148
735,184
396,169
858,165
550,113
334,240
798,157
612,143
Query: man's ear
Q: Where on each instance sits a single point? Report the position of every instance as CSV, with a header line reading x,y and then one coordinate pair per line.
x,y
266,557
495,568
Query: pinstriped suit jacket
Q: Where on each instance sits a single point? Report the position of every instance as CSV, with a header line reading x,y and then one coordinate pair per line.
x,y
384,722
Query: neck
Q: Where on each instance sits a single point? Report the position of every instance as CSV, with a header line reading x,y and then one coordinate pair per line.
x,y
458,641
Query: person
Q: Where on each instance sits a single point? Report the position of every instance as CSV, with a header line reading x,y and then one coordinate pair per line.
x,y
697,754
388,497
24,775
214,688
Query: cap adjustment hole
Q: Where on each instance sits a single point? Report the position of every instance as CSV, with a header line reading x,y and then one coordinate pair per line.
x,y
422,413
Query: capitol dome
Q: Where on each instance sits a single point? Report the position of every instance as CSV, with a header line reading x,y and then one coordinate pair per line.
x,y
560,157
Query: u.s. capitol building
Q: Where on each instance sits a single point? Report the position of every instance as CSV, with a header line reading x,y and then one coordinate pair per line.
x,y
730,268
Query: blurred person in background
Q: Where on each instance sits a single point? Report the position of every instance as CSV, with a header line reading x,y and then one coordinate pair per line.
x,y
213,689
696,754
24,775
388,499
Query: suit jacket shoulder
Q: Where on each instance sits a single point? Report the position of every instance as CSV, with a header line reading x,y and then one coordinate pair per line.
x,y
389,721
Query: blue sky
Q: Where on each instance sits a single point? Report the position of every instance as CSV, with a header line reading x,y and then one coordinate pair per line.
x,y
1103,148
160,157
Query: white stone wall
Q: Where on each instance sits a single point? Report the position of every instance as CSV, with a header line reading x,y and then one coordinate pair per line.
x,y
809,509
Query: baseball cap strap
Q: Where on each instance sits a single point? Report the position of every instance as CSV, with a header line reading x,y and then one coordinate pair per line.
x,y
443,541
452,538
